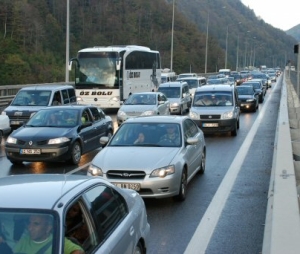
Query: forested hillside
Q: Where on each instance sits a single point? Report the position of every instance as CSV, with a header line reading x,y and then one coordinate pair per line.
x,y
33,44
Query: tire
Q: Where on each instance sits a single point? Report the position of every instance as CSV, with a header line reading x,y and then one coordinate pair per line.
x,y
203,162
15,162
75,153
138,249
1,137
182,189
181,110
238,124
234,131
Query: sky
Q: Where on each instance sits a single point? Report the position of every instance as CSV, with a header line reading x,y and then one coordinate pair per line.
x,y
280,14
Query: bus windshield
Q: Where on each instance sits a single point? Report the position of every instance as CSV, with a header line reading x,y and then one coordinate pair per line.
x,y
97,69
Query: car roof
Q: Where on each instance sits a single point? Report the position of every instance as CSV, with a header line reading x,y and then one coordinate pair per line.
x,y
173,84
40,191
148,93
69,106
157,119
215,88
190,78
47,87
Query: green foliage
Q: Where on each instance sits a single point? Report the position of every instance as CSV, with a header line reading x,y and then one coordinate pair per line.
x,y
33,34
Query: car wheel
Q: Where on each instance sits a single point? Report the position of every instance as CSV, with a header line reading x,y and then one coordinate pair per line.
x,y
182,189
138,249
203,162
181,110
234,131
75,153
1,137
238,123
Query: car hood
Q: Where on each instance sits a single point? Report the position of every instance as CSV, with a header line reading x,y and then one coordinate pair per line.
x,y
135,158
174,100
24,108
34,133
137,108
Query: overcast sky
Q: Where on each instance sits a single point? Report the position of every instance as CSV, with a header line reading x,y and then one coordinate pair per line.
x,y
280,14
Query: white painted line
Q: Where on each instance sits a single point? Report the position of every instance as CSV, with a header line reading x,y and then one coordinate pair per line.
x,y
206,227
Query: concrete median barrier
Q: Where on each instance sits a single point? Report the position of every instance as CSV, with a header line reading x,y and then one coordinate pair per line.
x,y
282,227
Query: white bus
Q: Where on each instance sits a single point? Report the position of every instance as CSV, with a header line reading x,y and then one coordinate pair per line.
x,y
106,76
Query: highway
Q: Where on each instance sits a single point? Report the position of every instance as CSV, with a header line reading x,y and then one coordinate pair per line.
x,y
225,209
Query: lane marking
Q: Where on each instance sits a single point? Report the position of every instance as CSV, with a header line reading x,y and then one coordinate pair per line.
x,y
206,227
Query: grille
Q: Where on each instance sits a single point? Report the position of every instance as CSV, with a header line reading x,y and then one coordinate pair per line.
x,y
119,174
210,117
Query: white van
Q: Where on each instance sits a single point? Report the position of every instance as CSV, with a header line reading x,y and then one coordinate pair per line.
x,y
31,99
178,93
168,77
226,72
194,83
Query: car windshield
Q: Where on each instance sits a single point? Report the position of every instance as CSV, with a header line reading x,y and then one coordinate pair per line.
x,y
254,84
141,99
212,99
245,90
54,118
192,83
32,98
21,231
148,134
170,92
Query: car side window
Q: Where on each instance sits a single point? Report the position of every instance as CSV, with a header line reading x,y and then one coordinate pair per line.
x,y
78,227
109,209
72,95
95,113
65,96
190,128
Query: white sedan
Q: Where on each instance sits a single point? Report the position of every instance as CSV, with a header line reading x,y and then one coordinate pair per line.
x,y
4,126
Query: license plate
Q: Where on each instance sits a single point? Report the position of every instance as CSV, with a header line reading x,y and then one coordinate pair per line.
x,y
30,151
132,186
210,125
16,122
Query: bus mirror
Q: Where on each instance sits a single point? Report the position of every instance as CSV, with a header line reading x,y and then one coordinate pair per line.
x,y
70,65
118,64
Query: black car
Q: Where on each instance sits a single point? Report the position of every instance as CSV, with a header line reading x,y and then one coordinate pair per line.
x,y
261,75
258,87
59,133
248,98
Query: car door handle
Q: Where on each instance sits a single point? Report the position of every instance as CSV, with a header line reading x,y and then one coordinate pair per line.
x,y
131,230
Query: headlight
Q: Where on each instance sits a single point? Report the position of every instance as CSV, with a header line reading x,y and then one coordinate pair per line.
x,y
3,113
95,171
194,115
175,104
58,140
11,140
115,99
121,113
227,115
162,172
148,113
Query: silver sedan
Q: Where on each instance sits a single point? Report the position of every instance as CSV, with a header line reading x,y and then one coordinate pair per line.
x,y
156,156
143,104
47,213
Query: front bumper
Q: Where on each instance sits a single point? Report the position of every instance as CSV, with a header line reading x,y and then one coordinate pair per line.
x,y
46,154
217,125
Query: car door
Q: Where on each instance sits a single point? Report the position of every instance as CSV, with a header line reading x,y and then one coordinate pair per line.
x,y
116,228
193,152
100,125
88,131
163,107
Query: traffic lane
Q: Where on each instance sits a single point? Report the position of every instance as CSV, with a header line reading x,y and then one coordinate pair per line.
x,y
243,216
173,224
